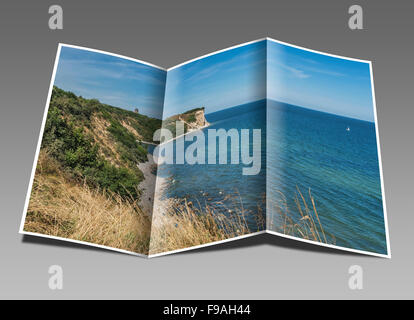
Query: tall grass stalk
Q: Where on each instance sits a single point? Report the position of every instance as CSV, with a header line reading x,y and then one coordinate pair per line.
x,y
308,226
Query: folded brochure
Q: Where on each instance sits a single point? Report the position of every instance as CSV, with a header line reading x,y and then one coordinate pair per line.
x,y
262,137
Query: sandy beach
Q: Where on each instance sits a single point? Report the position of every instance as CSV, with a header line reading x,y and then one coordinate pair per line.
x,y
150,199
147,186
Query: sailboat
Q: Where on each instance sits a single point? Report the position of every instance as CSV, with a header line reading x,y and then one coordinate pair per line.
x,y
348,129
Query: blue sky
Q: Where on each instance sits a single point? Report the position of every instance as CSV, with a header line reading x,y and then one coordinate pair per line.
x,y
219,81
319,82
222,80
115,81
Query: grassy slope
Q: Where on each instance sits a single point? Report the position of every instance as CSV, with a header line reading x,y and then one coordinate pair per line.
x,y
97,142
86,180
85,186
63,208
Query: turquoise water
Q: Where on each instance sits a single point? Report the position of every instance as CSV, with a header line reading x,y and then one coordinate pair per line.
x,y
300,148
201,183
337,158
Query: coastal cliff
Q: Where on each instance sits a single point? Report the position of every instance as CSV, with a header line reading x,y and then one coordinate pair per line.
x,y
96,143
193,120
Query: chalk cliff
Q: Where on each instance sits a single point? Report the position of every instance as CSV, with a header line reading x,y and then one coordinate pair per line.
x,y
193,119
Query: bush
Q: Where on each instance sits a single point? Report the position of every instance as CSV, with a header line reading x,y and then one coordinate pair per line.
x,y
122,181
131,150
77,153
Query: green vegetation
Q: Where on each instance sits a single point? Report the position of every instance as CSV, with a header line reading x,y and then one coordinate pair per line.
x,y
81,109
188,117
192,111
130,149
71,138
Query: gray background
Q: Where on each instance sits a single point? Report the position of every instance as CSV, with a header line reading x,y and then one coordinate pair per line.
x,y
167,33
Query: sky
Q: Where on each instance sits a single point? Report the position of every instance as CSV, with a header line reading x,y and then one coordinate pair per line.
x,y
279,72
219,81
119,82
233,77
319,82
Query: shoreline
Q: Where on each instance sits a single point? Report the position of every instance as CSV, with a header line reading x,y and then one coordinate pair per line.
x,y
175,138
152,188
182,135
147,186
146,142
160,206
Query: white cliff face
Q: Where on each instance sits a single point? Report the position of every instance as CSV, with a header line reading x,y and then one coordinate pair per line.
x,y
199,122
192,120
200,119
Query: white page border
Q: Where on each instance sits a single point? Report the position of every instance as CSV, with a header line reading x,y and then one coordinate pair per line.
x,y
21,231
374,105
388,255
39,142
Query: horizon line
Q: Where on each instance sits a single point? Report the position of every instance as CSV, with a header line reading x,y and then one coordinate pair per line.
x,y
294,105
233,106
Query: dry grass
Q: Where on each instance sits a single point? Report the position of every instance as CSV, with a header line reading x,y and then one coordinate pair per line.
x,y
131,129
308,226
62,208
182,224
101,136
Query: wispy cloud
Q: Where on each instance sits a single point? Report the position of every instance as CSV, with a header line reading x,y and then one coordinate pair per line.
x,y
325,72
197,71
218,81
296,72
303,72
112,80
111,70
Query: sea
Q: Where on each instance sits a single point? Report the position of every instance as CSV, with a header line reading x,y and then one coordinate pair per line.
x,y
332,158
